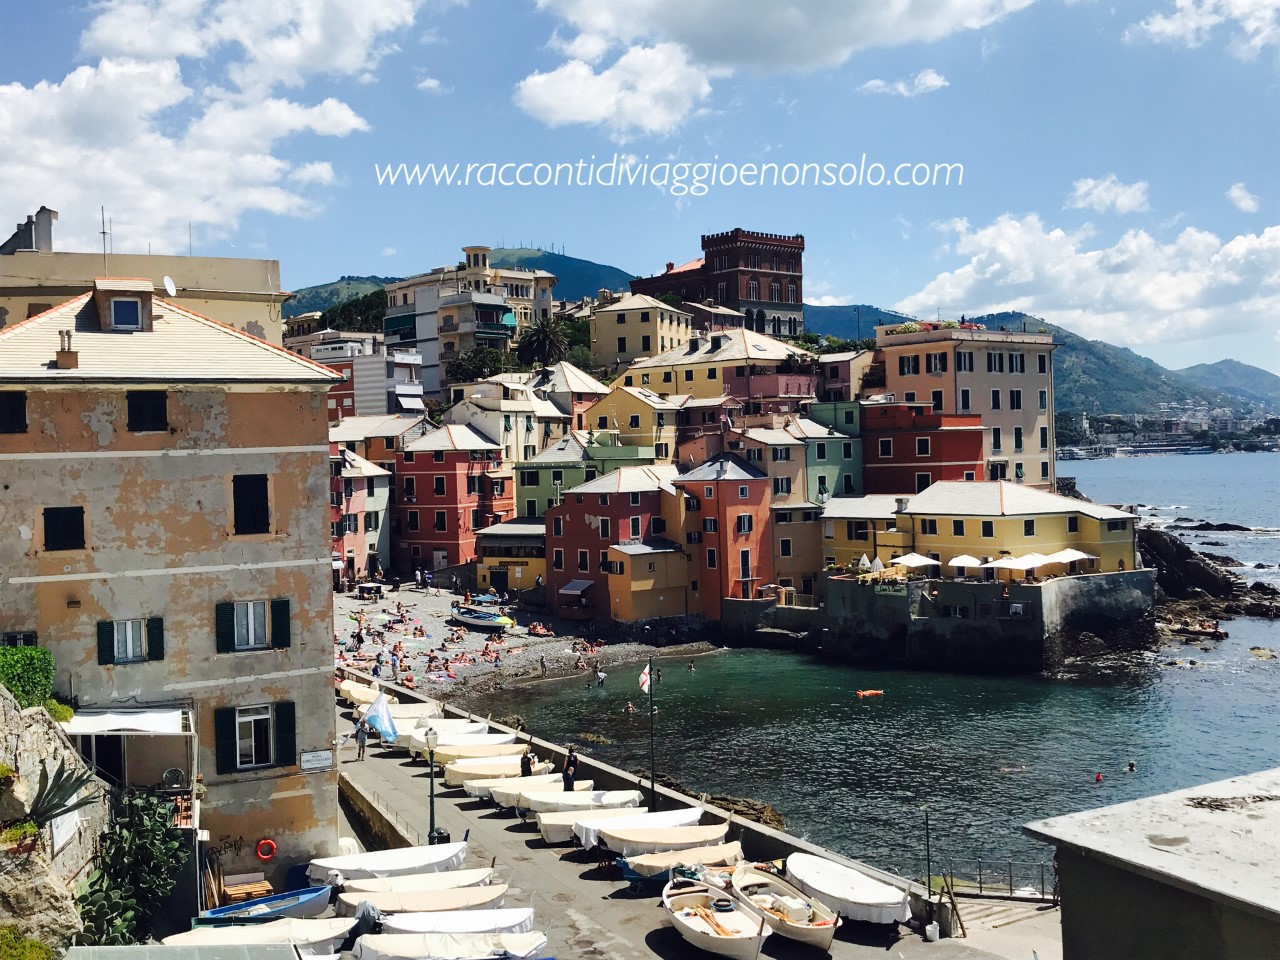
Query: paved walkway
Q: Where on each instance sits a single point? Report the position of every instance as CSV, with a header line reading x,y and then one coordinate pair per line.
x,y
584,915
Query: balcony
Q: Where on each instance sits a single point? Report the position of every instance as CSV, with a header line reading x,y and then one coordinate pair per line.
x,y
484,329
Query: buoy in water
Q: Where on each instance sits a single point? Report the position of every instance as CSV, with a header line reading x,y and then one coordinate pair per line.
x,y
1097,778
871,693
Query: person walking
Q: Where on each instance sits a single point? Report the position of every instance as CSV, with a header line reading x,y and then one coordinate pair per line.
x,y
570,769
526,764
542,662
362,737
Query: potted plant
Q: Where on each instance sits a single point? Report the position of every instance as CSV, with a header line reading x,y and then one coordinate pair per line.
x,y
20,837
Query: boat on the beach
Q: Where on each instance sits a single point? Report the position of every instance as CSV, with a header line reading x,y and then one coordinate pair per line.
x,y
509,795
509,920
296,903
390,863
406,882
653,867
846,891
549,801
357,694
789,910
629,841
448,946
479,751
448,738
460,771
404,712
482,619
558,827
317,935
484,788
443,725
711,920
590,822
423,901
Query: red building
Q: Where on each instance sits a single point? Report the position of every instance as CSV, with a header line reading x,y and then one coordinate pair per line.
x,y
906,447
623,506
727,530
451,482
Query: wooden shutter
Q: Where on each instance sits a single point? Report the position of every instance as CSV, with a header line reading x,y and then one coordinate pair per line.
x,y
155,638
224,735
286,734
106,643
224,626
280,624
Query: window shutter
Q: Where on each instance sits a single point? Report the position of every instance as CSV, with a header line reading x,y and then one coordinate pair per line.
x,y
224,735
155,638
286,735
224,626
280,625
106,643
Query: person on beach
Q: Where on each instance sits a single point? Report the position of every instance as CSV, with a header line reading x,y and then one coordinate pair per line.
x,y
526,764
542,663
570,768
362,737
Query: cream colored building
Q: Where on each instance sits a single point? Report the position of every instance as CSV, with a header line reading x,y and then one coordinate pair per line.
x,y
34,277
636,326
640,417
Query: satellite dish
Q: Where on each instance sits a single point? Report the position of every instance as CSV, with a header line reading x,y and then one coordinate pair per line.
x,y
169,287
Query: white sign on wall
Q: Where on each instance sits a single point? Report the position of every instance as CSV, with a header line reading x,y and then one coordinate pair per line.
x,y
316,760
65,829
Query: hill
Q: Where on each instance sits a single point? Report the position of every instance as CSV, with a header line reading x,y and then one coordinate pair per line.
x,y
575,278
849,321
325,295
1249,383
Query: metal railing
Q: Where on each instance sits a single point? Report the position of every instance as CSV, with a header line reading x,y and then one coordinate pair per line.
x,y
991,877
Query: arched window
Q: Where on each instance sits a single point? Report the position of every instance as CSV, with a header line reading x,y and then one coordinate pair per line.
x,y
753,289
775,291
792,293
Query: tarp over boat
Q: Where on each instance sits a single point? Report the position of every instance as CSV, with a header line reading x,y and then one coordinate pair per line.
x,y
444,880
484,786
424,901
448,946
318,931
588,826
509,794
389,863
653,864
550,801
848,892
558,827
510,920
460,771
634,841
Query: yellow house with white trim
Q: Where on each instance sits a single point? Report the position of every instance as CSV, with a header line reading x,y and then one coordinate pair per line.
x,y
641,418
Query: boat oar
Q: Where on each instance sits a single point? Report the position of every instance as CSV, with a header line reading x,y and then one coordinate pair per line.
x,y
760,938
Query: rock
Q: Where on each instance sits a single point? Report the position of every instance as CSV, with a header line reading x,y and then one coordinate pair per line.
x,y
591,738
514,721
1221,559
1263,653
1206,525
1213,543
15,800
1259,587
1180,571
42,910
1260,566
755,810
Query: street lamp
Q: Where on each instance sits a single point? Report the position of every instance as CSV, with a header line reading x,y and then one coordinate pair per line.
x,y
434,835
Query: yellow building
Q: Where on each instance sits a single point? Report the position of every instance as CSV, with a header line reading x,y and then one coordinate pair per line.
x,y
741,363
650,579
636,326
641,418
854,527
511,556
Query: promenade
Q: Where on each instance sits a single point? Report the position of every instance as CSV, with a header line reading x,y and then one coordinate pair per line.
x,y
587,916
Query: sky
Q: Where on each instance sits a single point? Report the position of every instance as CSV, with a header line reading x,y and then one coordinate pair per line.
x,y
1112,168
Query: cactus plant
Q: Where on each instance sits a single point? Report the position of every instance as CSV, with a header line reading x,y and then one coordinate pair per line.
x,y
108,912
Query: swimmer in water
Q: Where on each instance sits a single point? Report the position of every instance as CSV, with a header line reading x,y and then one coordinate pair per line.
x,y
1133,766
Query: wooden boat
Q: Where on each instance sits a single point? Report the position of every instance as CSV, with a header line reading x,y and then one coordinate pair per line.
x,y
509,795
390,863
484,787
549,801
790,912
460,771
424,901
731,932
406,882
479,751
846,891
296,903
482,619
649,865
448,946
317,935
590,822
405,712
634,841
510,920
558,827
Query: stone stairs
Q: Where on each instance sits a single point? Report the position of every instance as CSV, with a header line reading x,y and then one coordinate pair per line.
x,y
984,913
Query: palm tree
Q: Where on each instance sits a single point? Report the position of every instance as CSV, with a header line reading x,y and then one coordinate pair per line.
x,y
544,342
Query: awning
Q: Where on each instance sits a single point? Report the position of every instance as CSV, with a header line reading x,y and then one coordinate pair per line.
x,y
411,403
575,588
167,723
337,564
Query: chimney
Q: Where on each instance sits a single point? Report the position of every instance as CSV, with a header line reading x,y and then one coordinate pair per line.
x,y
900,505
44,229
66,358
670,265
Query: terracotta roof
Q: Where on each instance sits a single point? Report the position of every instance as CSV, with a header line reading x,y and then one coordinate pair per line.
x,y
684,267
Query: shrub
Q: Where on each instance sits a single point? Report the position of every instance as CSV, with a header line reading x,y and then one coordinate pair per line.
x,y
19,831
60,712
14,946
7,773
28,673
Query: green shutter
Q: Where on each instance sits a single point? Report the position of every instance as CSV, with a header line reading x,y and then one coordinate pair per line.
x,y
224,736
155,638
280,625
224,626
106,642
286,735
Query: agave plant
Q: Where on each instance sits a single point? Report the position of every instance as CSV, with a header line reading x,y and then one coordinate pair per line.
x,y
56,795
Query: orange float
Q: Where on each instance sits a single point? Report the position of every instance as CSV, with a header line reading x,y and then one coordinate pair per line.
x,y
870,693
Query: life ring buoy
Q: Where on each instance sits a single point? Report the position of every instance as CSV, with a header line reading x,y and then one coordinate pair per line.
x,y
265,850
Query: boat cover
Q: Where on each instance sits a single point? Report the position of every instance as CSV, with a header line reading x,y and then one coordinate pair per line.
x,y
453,724
511,920
653,864
484,787
424,901
634,841
285,930
444,880
448,946
389,863
579,800
460,771
848,892
449,738
408,711
558,827
479,751
588,825
509,794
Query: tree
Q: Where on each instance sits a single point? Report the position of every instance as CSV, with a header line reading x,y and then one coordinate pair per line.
x,y
581,358
358,315
478,363
671,300
543,342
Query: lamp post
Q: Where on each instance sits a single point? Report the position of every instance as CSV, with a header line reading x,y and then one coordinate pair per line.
x,y
928,854
434,835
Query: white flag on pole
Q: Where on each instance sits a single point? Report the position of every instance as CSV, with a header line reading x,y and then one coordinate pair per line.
x,y
379,717
644,679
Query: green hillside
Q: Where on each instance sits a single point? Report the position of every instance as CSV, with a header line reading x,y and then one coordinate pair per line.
x,y
1249,383
575,278
325,295
845,320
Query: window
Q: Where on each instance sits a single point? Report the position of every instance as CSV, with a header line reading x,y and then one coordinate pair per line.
x,y
857,530
129,641
442,520
708,493
530,451
995,362
909,396
622,318
557,559
781,485
922,446
557,526
644,377
886,448
923,480
148,410
820,451
710,525
252,513
995,399
661,451
755,454
743,492
604,499
606,528
745,522
1042,362
646,343
408,456
635,528
970,475
253,737
531,508
957,528
784,547
411,521
1015,399
251,625
438,485
1044,400
622,342
666,376
711,558
711,373
602,423
782,517
694,537
1017,439
1044,469
847,450
929,525
964,361
1017,363
1073,524
126,313
557,476
13,411
644,316
1115,526
780,454
935,363
437,456
937,401
1028,528
996,439
659,525
744,564
634,422
965,401
410,488
64,528
908,365
988,529
583,561
635,499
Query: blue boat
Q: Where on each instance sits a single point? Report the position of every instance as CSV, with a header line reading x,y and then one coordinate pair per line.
x,y
300,904
481,618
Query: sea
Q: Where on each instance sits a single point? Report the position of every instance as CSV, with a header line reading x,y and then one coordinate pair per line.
x,y
978,756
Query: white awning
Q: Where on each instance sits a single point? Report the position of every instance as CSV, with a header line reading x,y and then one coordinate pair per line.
x,y
337,564
165,723
410,403
576,588
914,560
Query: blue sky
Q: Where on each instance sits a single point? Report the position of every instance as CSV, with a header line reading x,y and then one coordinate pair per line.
x,y
1120,171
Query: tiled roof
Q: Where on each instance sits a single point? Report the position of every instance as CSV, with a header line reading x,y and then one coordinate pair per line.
x,y
726,466
566,450
352,429
874,506
564,376
812,430
452,436
646,479
354,465
668,403
1002,498
181,347
735,346
519,527
638,301
691,265
773,438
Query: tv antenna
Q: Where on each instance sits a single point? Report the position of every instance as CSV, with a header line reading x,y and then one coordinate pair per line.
x,y
103,211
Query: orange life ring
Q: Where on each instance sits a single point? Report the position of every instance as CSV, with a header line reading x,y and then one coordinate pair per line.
x,y
265,850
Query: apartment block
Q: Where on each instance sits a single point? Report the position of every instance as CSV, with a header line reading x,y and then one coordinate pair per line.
x,y
636,326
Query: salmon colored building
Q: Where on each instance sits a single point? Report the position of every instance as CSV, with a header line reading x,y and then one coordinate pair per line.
x,y
905,448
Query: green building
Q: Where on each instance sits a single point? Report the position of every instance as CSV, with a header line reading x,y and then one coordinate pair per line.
x,y
577,458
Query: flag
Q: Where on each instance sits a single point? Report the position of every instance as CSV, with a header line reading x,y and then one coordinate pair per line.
x,y
379,717
644,679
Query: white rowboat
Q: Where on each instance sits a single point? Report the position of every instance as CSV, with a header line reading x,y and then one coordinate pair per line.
x,y
407,711
589,823
443,725
558,827
653,864
848,892
424,901
511,920
479,751
509,795
406,882
484,787
459,772
550,802
634,841
448,946
728,933
447,738
792,913
319,935
390,863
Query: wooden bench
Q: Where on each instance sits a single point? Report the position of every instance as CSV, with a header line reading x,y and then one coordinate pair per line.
x,y
240,887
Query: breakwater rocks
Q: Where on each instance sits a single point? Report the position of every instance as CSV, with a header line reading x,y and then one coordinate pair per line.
x,y
747,809
1181,573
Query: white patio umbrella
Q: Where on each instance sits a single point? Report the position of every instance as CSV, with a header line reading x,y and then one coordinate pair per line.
x,y
1069,555
914,560
1004,563
964,560
876,565
1030,561
864,563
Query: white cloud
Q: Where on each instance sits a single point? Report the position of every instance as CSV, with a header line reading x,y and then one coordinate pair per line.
x,y
926,81
1136,291
721,37
1242,199
318,172
648,90
1108,194
1254,24
430,85
829,300
388,251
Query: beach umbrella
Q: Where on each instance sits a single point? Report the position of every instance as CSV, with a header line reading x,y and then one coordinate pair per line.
x,y
1029,562
1069,555
876,565
864,563
964,560
1004,563
914,560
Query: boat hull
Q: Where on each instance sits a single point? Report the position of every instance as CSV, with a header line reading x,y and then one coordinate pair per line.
x,y
299,904
748,932
846,891
819,932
